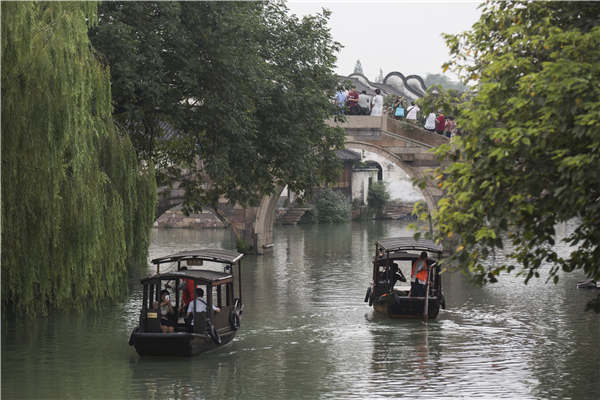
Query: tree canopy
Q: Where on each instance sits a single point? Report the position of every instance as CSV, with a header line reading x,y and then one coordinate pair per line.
x,y
437,98
76,206
234,92
530,158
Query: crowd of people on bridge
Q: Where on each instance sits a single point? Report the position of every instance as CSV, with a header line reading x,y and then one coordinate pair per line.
x,y
434,122
441,124
351,102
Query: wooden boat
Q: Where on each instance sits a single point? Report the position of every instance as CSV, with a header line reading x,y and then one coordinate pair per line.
x,y
210,329
393,263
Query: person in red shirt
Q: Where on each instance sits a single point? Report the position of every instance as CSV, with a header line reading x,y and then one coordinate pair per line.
x,y
353,102
440,123
187,291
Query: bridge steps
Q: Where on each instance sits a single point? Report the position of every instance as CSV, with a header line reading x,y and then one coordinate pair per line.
x,y
398,210
292,216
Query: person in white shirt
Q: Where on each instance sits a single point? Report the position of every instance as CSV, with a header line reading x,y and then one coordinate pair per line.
x,y
200,306
377,104
430,122
364,100
411,113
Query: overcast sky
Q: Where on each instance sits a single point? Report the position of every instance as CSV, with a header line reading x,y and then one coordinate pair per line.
x,y
393,35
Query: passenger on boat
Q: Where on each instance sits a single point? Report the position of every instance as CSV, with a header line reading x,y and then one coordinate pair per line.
x,y
418,276
167,313
187,291
395,275
200,307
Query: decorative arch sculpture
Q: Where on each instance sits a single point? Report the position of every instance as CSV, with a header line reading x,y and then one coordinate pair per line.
x,y
412,85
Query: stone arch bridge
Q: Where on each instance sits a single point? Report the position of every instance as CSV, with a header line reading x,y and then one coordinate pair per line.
x,y
399,142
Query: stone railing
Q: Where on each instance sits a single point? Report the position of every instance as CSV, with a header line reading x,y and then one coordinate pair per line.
x,y
385,123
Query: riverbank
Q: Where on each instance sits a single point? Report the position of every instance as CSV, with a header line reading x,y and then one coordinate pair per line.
x,y
176,219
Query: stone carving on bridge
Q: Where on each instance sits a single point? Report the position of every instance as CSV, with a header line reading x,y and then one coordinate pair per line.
x,y
395,83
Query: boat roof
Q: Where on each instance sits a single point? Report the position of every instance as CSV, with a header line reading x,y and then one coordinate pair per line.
x,y
216,255
408,243
203,275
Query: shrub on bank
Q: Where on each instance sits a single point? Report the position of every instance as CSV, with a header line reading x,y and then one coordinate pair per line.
x,y
332,207
377,198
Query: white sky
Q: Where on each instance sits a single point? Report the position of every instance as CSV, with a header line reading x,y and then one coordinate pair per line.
x,y
396,35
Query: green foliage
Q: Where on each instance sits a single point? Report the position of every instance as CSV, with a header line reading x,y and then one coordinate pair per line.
x,y
377,198
243,246
438,98
332,207
531,157
245,86
76,208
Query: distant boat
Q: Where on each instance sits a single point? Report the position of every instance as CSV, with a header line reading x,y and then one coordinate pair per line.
x,y
588,284
391,257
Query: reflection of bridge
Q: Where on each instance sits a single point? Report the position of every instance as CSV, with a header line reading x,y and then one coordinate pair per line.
x,y
400,143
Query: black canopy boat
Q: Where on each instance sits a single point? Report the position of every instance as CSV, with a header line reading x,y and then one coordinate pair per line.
x,y
393,259
210,328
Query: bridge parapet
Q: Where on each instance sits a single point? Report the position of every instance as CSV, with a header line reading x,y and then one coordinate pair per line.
x,y
362,126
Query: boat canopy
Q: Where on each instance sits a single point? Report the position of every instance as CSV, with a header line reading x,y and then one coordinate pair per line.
x,y
408,243
215,255
203,276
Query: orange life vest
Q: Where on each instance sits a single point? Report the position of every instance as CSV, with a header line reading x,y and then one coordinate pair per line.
x,y
422,274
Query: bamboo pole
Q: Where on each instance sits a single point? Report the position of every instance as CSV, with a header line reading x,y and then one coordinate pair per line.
x,y
426,311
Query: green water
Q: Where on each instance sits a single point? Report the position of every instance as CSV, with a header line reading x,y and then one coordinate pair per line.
x,y
307,334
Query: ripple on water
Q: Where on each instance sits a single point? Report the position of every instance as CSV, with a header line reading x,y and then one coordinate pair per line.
x,y
307,334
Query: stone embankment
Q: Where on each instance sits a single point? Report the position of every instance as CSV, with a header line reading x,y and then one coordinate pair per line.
x,y
174,218
398,210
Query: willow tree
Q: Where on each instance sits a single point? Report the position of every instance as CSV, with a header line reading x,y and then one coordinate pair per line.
x,y
76,208
530,158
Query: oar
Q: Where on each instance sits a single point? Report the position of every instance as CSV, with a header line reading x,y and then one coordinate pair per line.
x,y
426,311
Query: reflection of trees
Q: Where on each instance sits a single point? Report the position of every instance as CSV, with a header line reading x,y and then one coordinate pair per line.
x,y
67,356
566,342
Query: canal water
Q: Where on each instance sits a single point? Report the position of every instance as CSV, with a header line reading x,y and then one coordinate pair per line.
x,y
307,334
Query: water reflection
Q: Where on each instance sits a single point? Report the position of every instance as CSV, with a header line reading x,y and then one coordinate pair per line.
x,y
306,333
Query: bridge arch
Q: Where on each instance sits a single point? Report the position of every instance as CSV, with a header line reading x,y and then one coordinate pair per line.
x,y
265,214
256,223
264,221
413,173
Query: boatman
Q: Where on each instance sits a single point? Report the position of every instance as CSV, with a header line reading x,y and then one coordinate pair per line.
x,y
418,277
